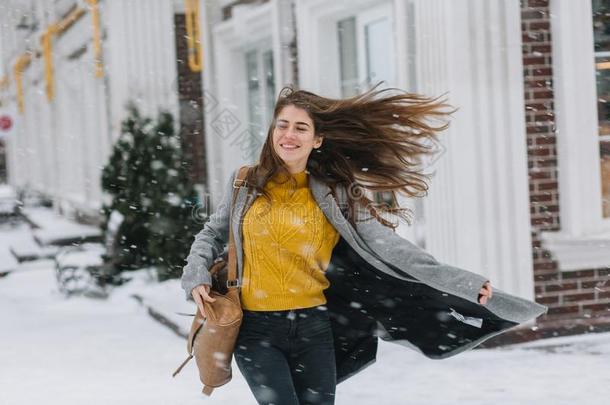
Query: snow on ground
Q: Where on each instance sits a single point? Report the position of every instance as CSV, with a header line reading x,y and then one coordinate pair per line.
x,y
16,233
74,351
7,192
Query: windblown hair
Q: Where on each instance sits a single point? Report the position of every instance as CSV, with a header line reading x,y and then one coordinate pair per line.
x,y
375,141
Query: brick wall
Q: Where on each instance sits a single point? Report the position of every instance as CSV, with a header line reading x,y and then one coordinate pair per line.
x,y
577,297
3,168
190,98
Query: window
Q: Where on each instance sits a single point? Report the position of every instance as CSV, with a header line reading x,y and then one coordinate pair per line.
x,y
601,30
261,90
269,83
347,56
379,49
366,50
255,114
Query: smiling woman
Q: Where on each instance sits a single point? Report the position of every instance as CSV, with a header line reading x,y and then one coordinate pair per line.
x,y
320,272
294,138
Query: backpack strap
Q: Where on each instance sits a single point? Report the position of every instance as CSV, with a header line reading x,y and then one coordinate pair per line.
x,y
240,180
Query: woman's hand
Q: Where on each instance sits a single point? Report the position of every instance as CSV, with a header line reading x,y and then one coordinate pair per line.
x,y
485,293
202,293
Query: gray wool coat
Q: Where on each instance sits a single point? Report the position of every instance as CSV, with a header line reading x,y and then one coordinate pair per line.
x,y
382,286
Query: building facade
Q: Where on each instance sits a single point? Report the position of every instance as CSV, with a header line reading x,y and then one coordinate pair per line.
x,y
72,66
520,193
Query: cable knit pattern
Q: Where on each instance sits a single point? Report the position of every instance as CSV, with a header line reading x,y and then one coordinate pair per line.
x,y
287,248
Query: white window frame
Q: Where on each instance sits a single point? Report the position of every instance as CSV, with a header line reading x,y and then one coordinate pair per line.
x,y
362,20
318,40
584,239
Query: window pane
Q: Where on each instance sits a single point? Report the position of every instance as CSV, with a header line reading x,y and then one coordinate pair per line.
x,y
270,83
601,31
254,92
348,57
601,17
379,62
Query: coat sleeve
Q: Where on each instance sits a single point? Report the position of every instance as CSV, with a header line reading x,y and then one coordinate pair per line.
x,y
410,259
209,243
416,262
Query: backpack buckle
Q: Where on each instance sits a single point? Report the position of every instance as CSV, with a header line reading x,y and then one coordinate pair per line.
x,y
233,283
241,183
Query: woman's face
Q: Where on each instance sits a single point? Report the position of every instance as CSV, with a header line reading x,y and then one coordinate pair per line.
x,y
294,137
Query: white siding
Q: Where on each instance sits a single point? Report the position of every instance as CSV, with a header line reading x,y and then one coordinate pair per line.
x,y
60,147
140,56
477,213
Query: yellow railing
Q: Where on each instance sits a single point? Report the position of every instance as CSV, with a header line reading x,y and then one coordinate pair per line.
x,y
46,40
193,32
47,53
97,37
22,62
69,20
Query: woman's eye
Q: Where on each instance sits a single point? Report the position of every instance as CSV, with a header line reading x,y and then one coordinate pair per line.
x,y
285,127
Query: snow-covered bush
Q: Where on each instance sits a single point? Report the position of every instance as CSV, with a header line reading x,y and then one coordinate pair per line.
x,y
152,194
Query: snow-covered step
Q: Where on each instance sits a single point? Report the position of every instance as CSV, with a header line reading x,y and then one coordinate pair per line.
x,y
53,229
27,249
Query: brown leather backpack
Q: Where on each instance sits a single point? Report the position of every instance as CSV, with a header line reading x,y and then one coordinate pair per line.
x,y
212,341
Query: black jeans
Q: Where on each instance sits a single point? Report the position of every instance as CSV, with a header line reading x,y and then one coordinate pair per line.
x,y
288,357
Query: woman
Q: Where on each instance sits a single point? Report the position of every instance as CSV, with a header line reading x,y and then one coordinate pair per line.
x,y
322,273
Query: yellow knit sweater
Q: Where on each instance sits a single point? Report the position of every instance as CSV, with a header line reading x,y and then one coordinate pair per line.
x,y
287,248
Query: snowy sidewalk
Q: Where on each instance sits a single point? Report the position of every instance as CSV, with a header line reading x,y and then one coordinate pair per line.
x,y
84,351
78,350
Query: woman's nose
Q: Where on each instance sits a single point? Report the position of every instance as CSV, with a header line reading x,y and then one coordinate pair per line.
x,y
290,134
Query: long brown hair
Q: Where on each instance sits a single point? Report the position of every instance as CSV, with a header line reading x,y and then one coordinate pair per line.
x,y
374,141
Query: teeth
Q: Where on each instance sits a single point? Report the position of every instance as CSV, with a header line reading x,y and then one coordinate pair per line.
x,y
289,146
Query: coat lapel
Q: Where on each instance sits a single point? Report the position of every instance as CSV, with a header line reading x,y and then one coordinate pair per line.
x,y
327,203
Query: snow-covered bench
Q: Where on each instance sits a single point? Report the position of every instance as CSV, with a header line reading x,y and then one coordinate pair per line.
x,y
78,270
